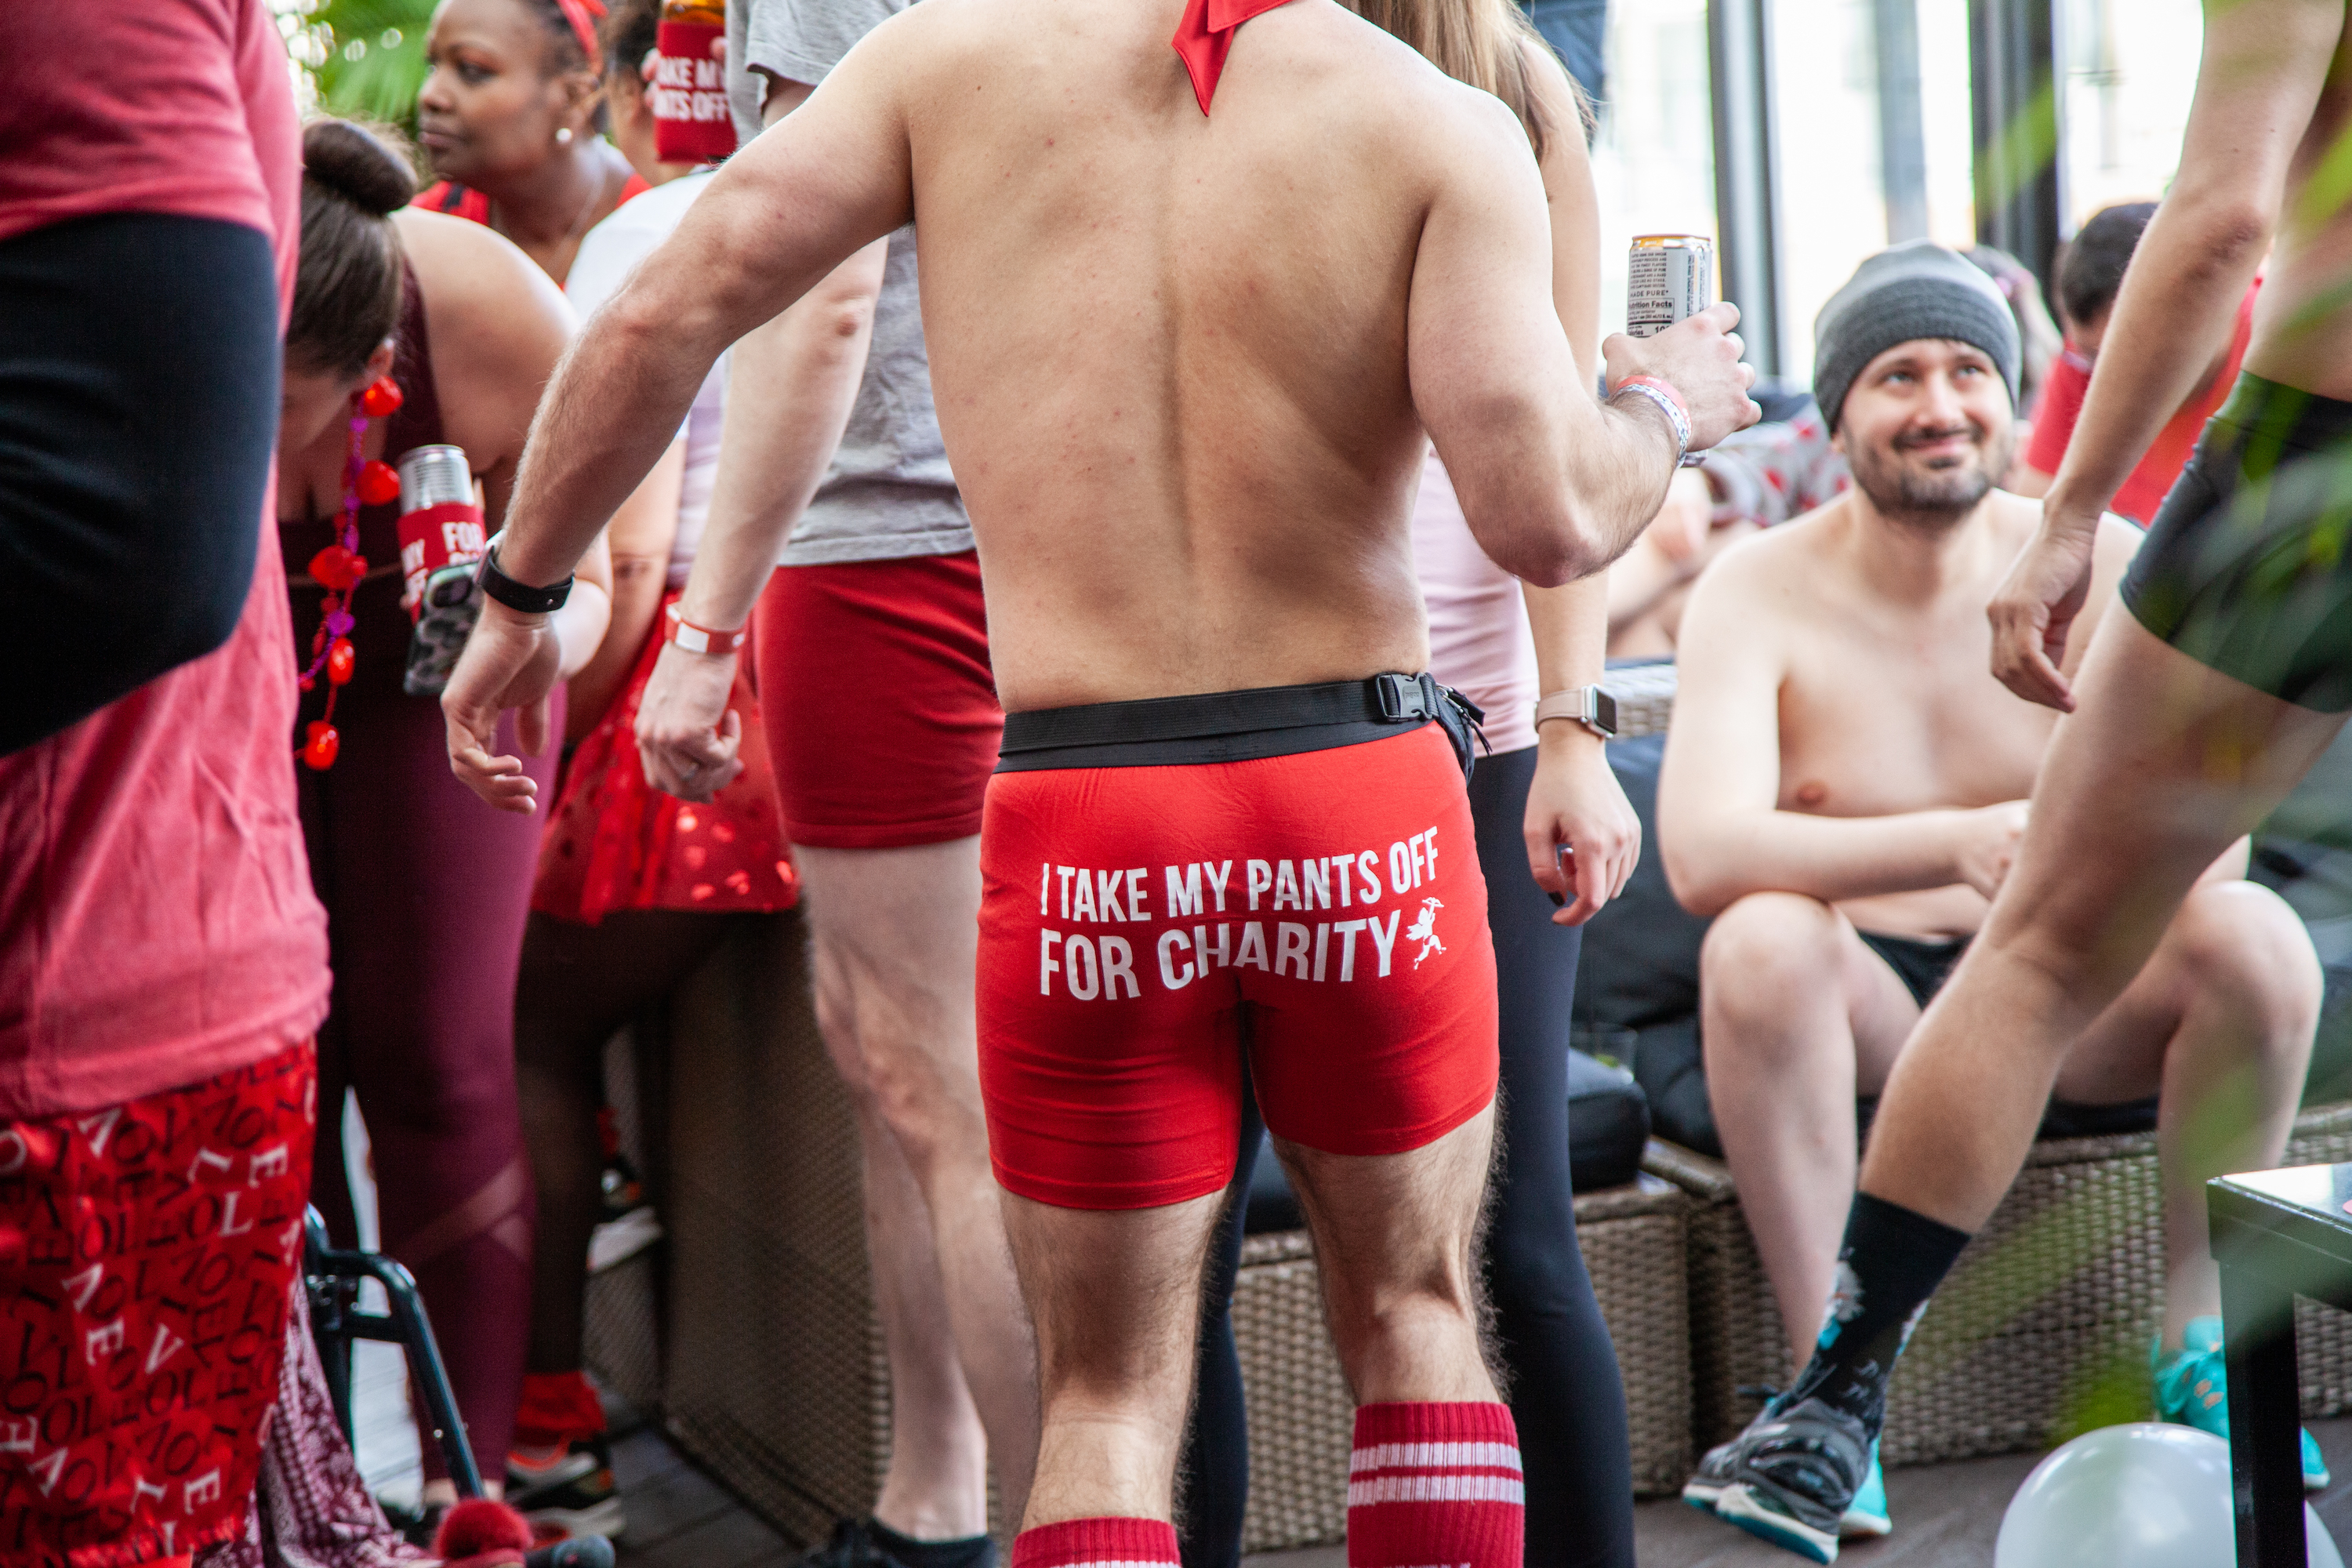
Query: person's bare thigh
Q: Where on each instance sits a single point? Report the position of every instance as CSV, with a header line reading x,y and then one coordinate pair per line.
x,y
897,928
1878,1006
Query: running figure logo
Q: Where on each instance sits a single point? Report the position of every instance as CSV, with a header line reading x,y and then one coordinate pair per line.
x,y
1423,930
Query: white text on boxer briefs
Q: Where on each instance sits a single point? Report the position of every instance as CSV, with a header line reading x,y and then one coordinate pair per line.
x,y
1103,963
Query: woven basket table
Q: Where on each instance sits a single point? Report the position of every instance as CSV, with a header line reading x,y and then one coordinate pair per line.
x,y
1301,1418
2043,1329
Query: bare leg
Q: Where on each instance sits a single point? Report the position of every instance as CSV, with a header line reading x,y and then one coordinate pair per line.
x,y
1116,1296
2221,1018
895,935
1394,1235
1797,1017
2166,763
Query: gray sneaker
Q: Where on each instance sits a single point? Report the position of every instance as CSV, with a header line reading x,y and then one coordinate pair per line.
x,y
1791,1476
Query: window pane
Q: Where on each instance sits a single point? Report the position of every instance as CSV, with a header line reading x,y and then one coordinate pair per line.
x,y
2127,95
1653,156
1832,203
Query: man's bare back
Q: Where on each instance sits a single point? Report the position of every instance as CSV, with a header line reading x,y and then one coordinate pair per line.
x,y
1883,704
1183,364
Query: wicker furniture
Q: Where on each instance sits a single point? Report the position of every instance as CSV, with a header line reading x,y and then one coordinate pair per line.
x,y
1301,1418
1645,698
2043,1329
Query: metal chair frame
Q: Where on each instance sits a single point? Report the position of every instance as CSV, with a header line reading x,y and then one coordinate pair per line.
x,y
333,1278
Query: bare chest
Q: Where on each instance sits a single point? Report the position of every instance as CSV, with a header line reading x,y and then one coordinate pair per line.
x,y
1872,724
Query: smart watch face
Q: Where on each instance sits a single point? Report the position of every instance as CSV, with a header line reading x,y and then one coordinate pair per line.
x,y
1604,712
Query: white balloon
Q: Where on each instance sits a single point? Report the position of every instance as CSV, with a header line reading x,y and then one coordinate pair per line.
x,y
2150,1495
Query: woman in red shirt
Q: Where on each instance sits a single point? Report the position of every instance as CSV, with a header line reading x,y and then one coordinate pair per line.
x,y
508,118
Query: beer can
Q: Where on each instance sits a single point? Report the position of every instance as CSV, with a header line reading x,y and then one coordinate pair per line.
x,y
1669,277
434,476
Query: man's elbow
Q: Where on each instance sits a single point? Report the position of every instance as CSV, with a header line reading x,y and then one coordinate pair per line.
x,y
1548,545
1699,891
2222,229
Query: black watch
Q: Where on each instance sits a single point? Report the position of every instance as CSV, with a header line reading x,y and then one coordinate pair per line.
x,y
514,595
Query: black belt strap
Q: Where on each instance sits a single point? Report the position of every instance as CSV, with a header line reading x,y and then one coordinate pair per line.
x,y
1381,700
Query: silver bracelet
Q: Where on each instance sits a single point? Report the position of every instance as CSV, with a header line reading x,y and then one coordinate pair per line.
x,y
1667,404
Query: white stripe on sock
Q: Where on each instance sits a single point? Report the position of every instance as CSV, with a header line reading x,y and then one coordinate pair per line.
x,y
1433,1455
1436,1489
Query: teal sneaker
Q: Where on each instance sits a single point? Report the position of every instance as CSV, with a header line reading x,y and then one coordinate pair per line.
x,y
1866,1515
2192,1388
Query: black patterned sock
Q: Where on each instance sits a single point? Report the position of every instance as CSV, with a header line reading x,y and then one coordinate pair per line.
x,y
1893,1260
967,1551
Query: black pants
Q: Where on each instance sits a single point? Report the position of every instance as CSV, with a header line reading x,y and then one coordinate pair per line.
x,y
1566,1395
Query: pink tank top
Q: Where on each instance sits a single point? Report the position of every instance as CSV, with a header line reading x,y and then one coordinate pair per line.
x,y
1478,637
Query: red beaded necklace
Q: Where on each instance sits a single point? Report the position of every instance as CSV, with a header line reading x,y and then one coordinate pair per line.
x,y
340,566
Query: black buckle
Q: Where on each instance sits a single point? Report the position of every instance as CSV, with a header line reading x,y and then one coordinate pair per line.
x,y
1401,696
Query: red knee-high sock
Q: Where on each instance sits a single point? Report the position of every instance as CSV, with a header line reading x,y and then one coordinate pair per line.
x,y
1435,1484
1097,1543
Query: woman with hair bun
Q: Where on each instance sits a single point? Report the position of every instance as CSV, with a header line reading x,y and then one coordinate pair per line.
x,y
508,117
410,329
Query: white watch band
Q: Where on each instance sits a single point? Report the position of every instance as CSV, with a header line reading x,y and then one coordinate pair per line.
x,y
1588,705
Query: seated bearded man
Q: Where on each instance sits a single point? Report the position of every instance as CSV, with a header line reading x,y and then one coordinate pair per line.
x,y
1843,791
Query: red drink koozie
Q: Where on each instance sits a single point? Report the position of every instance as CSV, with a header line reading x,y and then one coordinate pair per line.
x,y
437,536
439,523
692,124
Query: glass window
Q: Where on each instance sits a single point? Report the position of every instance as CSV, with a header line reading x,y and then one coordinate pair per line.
x,y
1654,153
2127,95
1832,202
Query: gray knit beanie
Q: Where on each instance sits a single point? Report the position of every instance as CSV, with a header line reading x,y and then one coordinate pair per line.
x,y
1915,289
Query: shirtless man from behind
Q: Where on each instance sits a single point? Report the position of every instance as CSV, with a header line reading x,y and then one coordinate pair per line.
x,y
1186,364
2192,716
1842,792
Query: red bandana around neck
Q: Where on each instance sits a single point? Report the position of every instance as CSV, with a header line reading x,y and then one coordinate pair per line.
x,y
1206,33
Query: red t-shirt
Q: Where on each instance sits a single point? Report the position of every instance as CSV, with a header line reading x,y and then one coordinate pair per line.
x,y
465,202
2062,404
156,921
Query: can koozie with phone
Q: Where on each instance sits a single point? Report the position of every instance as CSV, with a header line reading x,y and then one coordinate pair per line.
x,y
692,124
441,540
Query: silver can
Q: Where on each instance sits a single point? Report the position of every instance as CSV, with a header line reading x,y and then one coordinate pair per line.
x,y
1669,277
434,476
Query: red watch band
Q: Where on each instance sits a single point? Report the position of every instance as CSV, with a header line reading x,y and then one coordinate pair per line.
x,y
701,639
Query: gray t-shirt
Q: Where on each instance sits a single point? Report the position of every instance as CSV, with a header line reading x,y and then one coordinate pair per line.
x,y
889,493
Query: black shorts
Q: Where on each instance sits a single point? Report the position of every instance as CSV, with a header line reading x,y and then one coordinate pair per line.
x,y
2245,568
1923,967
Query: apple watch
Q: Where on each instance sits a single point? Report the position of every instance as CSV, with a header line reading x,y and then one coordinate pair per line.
x,y
1588,705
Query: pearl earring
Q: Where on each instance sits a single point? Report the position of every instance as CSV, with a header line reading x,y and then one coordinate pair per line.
x,y
563,136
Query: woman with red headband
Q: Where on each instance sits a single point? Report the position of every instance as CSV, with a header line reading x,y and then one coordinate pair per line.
x,y
508,117
410,329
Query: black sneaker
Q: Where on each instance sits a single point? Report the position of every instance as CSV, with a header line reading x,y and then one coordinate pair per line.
x,y
1791,1476
577,1551
566,1494
851,1547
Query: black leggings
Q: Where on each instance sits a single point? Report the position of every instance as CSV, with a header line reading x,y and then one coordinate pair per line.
x,y
1566,1395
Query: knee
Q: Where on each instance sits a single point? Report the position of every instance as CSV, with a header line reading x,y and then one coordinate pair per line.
x,y
1763,955
932,1109
2240,944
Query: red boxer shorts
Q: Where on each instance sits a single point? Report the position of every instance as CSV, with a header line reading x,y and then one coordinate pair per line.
x,y
148,1254
880,705
1145,932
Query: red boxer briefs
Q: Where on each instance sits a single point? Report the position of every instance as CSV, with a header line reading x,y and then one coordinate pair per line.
x,y
1145,928
881,708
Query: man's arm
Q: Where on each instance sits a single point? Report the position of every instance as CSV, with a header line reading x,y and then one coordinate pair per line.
x,y
806,195
1554,486
1720,824
2264,64
791,384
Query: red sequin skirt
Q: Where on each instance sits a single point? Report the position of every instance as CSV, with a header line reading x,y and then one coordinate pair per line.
x,y
615,842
